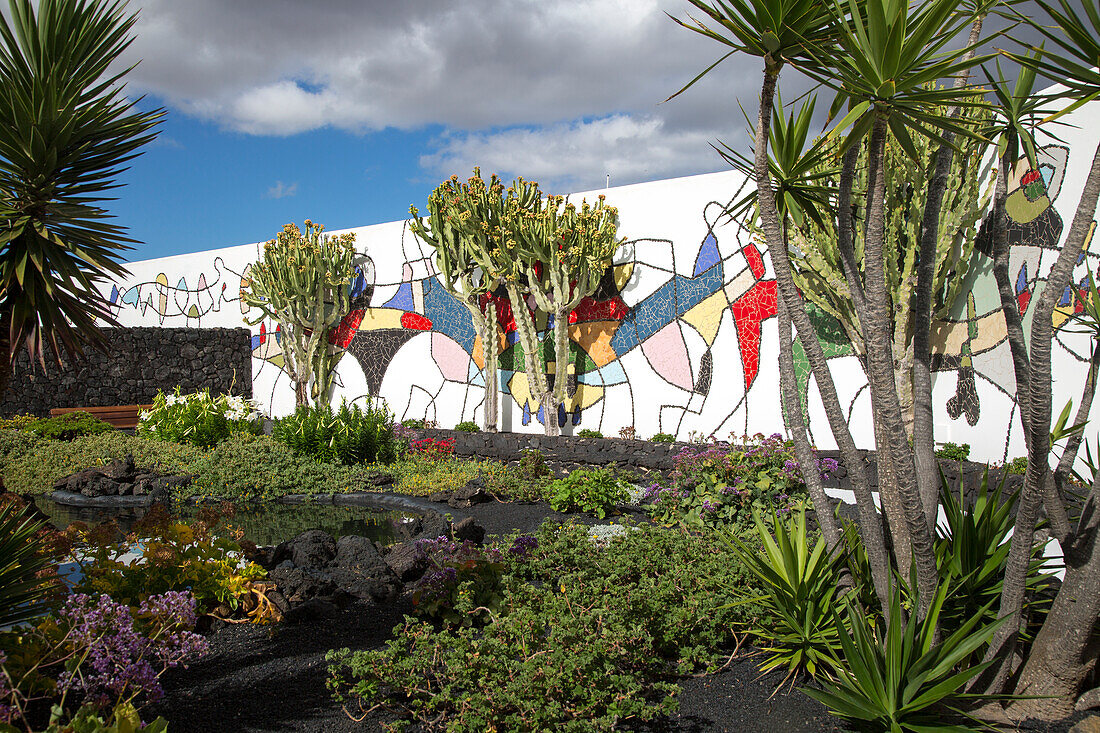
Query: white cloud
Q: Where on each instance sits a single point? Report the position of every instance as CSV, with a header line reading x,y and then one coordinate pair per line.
x,y
577,156
282,190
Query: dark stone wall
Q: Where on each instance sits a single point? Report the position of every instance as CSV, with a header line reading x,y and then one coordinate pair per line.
x,y
138,362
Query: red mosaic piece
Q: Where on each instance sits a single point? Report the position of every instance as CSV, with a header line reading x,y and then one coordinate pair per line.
x,y
415,322
345,330
752,308
756,262
589,309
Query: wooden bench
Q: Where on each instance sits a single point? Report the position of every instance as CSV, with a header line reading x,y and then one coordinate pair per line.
x,y
125,417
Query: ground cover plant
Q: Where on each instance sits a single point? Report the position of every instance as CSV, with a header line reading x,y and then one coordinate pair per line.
x,y
596,490
419,473
582,638
62,427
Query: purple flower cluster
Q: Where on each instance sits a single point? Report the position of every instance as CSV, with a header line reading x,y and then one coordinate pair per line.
x,y
523,546
121,660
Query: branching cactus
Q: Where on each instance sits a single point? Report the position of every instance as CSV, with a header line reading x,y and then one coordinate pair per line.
x,y
464,227
302,283
564,253
816,263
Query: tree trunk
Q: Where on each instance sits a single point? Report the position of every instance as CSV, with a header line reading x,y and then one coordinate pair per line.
x,y
889,425
1038,437
870,524
796,423
6,351
561,357
532,358
924,447
1064,651
492,369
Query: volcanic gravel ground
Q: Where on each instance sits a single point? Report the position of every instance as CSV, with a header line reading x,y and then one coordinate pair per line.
x,y
272,678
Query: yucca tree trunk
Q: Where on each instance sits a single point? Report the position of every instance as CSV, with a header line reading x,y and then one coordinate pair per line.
x,y
924,448
6,352
890,427
870,524
1003,644
532,358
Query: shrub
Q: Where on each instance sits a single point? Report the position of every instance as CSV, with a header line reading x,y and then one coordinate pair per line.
x,y
17,422
418,475
433,449
721,485
584,638
350,435
462,586
416,423
594,490
954,452
467,426
258,467
663,438
98,654
174,556
587,433
198,418
67,426
627,433
1017,466
32,466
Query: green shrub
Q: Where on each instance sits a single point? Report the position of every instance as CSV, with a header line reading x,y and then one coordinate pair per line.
x,y
416,423
64,427
198,418
587,433
347,436
1017,466
17,422
584,638
954,452
663,438
463,584
594,490
259,467
34,471
467,426
420,475
14,444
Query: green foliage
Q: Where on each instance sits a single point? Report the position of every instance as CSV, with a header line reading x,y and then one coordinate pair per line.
x,y
258,467
68,127
900,680
595,490
301,281
31,466
421,475
584,638
67,426
198,418
589,433
89,719
463,585
800,632
954,452
663,438
972,553
467,426
1017,466
25,557
349,435
173,556
414,423
527,481
720,486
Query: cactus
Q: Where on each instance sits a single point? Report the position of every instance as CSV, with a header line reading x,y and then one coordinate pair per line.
x,y
564,253
301,281
464,227
816,262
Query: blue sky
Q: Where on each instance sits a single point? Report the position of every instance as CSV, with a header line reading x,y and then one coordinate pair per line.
x,y
348,111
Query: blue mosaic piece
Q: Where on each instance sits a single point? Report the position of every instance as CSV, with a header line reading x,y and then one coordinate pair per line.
x,y
447,315
577,415
540,416
526,413
561,416
708,255
402,299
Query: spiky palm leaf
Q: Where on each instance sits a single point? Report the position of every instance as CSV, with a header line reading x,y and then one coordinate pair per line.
x,y
66,130
22,591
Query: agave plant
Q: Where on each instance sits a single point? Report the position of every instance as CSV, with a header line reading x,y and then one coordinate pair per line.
x,y
900,679
67,129
22,591
802,586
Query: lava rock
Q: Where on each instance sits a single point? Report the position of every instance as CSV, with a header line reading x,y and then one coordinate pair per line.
x,y
439,497
378,479
311,549
472,493
359,569
433,525
469,529
408,562
302,584
121,469
314,609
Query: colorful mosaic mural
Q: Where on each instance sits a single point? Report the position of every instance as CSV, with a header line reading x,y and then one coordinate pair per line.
x,y
680,336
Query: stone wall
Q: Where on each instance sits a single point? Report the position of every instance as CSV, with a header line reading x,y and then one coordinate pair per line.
x,y
138,362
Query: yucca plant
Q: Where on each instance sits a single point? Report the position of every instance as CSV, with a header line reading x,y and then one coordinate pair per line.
x,y
348,436
67,128
972,549
802,586
900,679
23,592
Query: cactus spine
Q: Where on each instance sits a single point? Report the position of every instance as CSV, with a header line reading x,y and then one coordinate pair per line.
x,y
301,282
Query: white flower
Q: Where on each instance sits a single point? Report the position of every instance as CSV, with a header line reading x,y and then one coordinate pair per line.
x,y
172,399
145,414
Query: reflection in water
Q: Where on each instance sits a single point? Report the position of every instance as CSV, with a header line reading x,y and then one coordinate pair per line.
x,y
264,524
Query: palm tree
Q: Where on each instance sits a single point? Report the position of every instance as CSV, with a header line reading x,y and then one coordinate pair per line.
x,y
66,130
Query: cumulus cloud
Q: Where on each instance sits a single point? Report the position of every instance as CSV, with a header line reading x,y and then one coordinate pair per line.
x,y
281,190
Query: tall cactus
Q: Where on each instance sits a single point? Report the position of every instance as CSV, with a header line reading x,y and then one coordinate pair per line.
x,y
464,227
816,260
564,253
301,282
